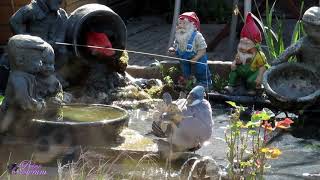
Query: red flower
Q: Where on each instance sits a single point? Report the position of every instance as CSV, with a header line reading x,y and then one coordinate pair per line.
x,y
284,124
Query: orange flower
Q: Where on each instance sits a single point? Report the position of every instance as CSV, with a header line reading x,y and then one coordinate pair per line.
x,y
284,124
267,126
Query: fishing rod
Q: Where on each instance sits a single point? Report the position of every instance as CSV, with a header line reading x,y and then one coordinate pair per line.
x,y
139,52
130,51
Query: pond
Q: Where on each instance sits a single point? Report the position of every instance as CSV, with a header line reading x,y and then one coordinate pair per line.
x,y
133,155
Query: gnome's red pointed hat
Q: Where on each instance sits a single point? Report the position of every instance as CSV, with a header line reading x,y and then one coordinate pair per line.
x,y
250,30
192,17
100,40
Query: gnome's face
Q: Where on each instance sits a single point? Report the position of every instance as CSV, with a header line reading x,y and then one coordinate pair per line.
x,y
244,56
184,30
246,50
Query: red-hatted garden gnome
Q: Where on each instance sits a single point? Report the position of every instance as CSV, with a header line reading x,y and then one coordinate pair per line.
x,y
250,63
189,44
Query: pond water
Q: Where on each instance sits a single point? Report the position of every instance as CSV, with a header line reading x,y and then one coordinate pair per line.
x,y
134,155
90,113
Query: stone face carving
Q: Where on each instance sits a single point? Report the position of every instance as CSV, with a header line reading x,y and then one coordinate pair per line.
x,y
30,80
307,49
45,19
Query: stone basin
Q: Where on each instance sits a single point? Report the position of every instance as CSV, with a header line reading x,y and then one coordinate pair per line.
x,y
291,86
93,124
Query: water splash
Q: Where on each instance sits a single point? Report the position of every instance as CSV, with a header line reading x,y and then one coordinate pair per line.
x,y
186,162
193,167
218,172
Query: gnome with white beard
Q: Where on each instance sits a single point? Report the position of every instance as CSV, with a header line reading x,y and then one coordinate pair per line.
x,y
250,63
190,45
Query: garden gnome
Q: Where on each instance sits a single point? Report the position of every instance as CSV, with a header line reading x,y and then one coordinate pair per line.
x,y
100,40
25,54
250,63
189,44
193,123
307,49
43,18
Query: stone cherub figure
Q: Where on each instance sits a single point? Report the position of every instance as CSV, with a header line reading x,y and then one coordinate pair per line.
x,y
48,86
24,96
44,18
307,49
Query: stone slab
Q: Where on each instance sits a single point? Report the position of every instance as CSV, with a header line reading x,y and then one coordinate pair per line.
x,y
222,68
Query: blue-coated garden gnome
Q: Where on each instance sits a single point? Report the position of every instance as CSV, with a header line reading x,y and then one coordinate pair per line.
x,y
190,45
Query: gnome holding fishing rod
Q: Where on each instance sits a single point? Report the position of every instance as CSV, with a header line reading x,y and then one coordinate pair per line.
x,y
187,123
190,45
250,63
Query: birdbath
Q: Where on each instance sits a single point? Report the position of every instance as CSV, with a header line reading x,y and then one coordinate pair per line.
x,y
292,86
88,124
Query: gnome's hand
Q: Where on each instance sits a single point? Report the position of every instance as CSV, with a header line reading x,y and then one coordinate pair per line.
x,y
172,51
234,65
258,82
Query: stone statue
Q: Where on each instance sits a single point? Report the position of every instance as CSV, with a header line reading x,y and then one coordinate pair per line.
x,y
48,86
45,19
31,84
307,49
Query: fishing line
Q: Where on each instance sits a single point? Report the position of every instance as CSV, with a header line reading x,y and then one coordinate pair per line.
x,y
139,52
130,51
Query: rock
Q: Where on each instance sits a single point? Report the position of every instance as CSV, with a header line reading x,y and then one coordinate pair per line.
x,y
67,97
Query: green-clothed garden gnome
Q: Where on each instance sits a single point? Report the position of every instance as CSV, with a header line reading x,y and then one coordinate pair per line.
x,y
250,63
307,49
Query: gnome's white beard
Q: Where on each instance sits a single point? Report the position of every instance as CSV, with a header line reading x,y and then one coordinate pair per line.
x,y
244,57
184,34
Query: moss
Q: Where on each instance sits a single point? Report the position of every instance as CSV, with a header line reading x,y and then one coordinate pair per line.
x,y
123,62
155,92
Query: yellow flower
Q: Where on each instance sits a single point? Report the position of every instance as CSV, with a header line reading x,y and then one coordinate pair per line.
x,y
271,153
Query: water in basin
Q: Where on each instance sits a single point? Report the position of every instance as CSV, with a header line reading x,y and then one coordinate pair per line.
x,y
90,113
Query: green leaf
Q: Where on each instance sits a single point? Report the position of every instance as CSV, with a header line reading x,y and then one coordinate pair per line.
x,y
252,124
231,103
260,116
252,132
1,99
